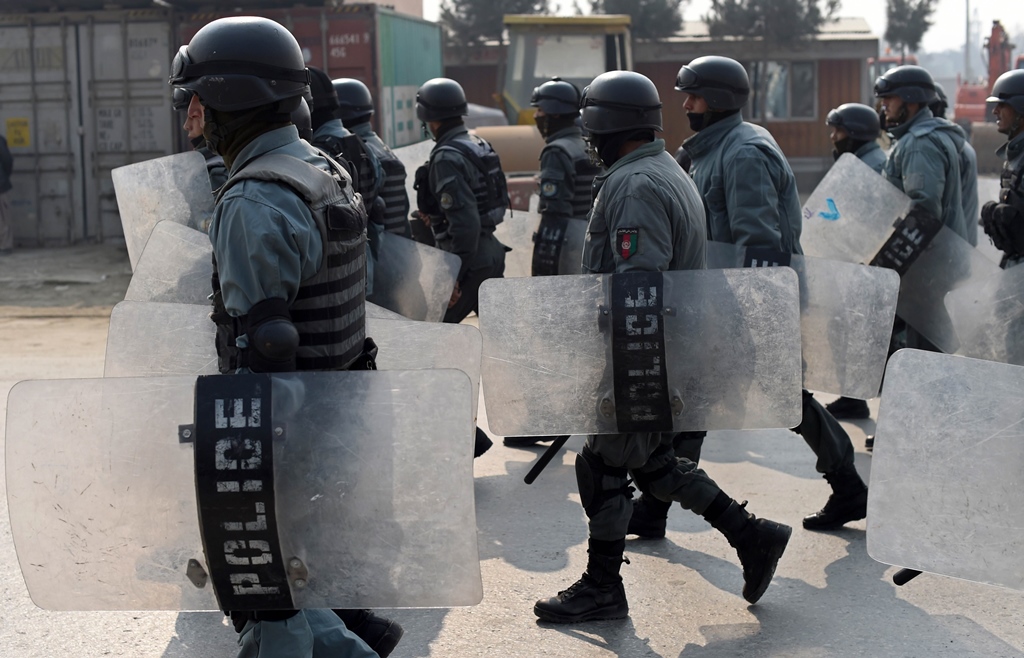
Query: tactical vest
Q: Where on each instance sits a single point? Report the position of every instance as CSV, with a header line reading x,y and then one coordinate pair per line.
x,y
489,186
1011,185
393,192
350,152
583,176
329,310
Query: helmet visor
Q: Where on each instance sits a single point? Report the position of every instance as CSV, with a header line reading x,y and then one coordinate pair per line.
x,y
181,98
687,79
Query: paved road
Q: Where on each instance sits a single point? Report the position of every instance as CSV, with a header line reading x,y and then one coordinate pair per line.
x,y
828,599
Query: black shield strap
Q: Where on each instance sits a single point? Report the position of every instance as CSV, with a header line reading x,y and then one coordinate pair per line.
x,y
547,245
911,237
765,257
642,401
234,461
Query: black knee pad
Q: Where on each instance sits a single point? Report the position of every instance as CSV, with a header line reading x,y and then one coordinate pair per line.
x,y
651,476
590,473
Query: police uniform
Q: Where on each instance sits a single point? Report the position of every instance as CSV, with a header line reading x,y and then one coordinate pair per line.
x,y
566,175
1011,185
925,165
392,188
215,167
470,215
872,155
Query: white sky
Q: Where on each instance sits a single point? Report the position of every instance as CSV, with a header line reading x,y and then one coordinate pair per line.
x,y
947,31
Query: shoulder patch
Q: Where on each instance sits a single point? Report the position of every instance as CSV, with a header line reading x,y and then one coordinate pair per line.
x,y
548,189
446,201
628,240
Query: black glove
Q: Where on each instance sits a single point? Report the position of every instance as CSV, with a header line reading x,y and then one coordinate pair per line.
x,y
995,228
1010,223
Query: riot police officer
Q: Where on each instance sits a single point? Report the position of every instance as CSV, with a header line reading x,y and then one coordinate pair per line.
x,y
645,200
925,162
750,194
968,163
288,289
566,171
193,127
855,129
465,195
1003,220
355,109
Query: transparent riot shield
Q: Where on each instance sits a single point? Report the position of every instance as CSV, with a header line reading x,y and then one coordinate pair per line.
x,y
846,318
305,490
948,263
412,279
173,188
176,266
517,231
850,213
148,339
988,317
570,354
412,156
570,260
946,472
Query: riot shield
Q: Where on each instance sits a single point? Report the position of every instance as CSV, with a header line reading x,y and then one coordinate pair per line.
x,y
412,156
173,188
641,352
412,279
176,266
517,231
948,262
302,490
989,317
946,470
152,339
851,212
846,317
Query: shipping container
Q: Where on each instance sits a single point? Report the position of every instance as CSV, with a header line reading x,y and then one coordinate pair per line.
x,y
80,94
391,53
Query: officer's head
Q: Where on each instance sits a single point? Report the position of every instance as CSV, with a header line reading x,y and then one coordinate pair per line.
x,y
941,102
246,74
302,120
354,101
1008,96
853,125
325,102
181,100
558,104
715,87
620,110
440,102
904,91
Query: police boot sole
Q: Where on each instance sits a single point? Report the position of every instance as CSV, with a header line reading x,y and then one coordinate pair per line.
x,y
774,555
643,531
618,611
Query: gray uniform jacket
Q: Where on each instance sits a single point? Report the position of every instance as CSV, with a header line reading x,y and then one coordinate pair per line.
x,y
264,237
452,178
645,197
872,155
1013,151
925,165
559,186
748,186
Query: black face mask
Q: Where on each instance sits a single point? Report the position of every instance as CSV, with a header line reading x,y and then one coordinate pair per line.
x,y
697,121
198,142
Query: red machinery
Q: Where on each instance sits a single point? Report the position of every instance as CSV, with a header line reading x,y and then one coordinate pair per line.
x,y
970,104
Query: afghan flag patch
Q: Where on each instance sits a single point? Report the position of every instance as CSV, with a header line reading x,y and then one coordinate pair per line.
x,y
628,239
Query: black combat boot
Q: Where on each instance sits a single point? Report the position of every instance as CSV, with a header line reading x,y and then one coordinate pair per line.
x,y
649,517
599,594
848,502
481,443
869,443
380,633
845,408
758,542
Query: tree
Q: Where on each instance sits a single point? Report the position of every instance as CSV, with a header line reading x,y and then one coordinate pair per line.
x,y
907,21
774,21
651,19
469,22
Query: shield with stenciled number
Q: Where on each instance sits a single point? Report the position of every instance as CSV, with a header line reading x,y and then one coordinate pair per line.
x,y
641,351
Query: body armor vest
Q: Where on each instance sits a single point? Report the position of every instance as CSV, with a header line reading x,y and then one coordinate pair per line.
x,y
1011,185
329,310
489,186
393,192
350,152
583,179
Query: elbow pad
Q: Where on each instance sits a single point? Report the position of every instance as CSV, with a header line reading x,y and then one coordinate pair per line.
x,y
272,338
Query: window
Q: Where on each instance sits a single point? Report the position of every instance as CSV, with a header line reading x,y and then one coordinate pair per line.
x,y
782,90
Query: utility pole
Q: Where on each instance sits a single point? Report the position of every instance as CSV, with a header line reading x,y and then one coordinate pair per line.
x,y
967,42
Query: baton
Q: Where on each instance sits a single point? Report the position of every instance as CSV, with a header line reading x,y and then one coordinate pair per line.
x,y
904,576
545,459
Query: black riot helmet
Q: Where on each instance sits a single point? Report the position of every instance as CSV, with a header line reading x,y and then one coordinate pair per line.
x,y
618,101
941,102
859,121
912,84
439,99
241,63
1009,89
303,121
181,98
556,96
354,100
722,82
324,97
